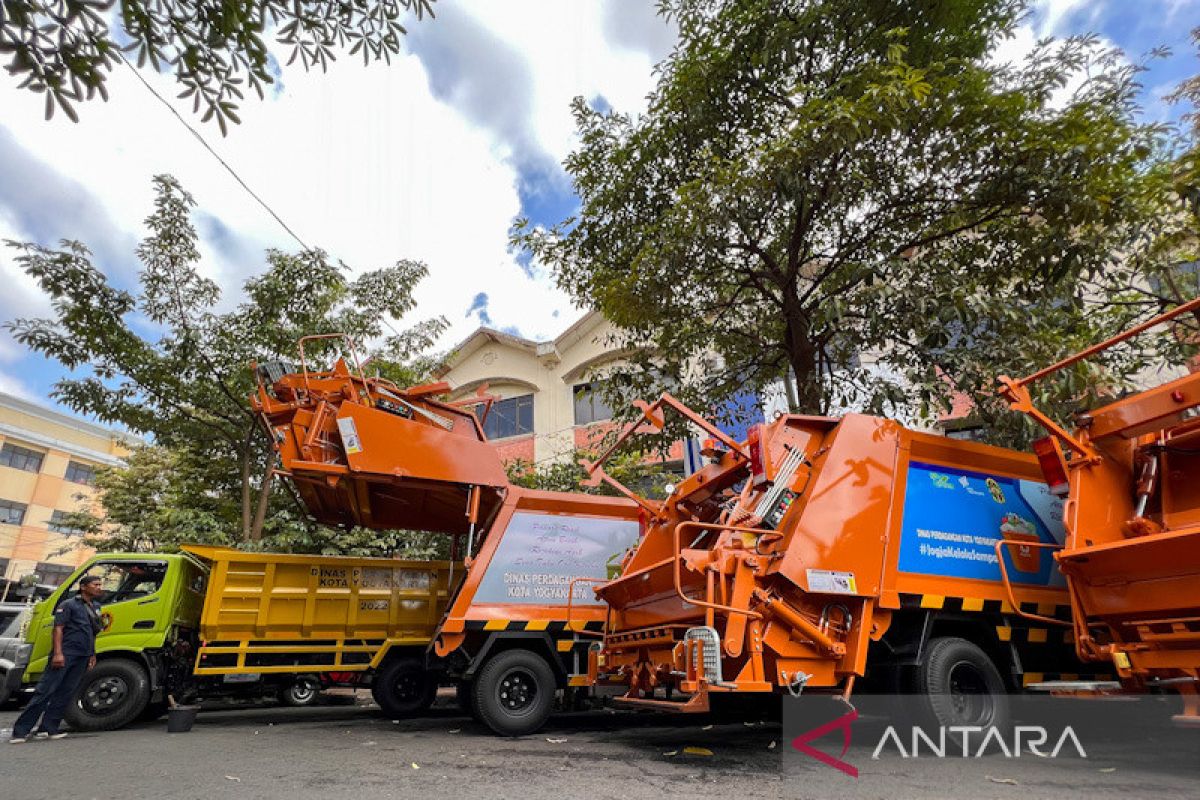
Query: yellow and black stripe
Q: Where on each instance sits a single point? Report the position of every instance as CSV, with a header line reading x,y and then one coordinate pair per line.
x,y
551,626
937,602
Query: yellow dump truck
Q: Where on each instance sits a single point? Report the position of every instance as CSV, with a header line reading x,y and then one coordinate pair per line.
x,y
214,621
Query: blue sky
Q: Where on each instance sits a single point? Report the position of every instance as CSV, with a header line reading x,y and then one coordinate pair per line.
x,y
430,158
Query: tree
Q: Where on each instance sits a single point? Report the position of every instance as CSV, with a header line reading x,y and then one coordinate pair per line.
x,y
166,362
65,48
637,469
857,194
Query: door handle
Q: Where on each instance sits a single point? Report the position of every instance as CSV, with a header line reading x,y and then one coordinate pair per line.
x,y
143,624
147,601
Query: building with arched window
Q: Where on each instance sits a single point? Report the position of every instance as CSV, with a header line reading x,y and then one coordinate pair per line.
x,y
549,402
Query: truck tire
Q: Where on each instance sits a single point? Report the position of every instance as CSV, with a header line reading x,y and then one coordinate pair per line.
x,y
113,694
958,685
404,687
514,692
304,691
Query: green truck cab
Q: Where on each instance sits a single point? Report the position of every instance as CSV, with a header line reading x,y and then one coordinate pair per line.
x,y
150,607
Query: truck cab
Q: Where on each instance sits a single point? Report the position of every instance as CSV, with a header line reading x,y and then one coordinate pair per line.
x,y
150,609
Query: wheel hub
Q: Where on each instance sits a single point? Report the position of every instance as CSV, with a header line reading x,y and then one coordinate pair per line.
x,y
105,695
517,690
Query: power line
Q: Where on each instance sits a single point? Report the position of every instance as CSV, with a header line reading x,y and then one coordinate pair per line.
x,y
209,148
225,164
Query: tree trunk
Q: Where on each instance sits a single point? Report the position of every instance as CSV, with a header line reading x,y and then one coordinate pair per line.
x,y
802,355
264,500
245,465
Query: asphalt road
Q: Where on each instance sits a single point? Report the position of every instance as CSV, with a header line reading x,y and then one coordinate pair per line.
x,y
350,751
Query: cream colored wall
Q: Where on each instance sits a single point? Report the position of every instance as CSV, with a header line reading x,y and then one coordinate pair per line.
x,y
61,441
549,372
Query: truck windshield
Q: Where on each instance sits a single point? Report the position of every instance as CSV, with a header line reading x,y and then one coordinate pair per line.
x,y
123,580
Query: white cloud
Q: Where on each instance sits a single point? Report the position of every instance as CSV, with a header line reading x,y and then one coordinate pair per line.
x,y
363,161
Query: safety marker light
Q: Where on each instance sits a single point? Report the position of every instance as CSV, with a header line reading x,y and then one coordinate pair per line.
x,y
1053,462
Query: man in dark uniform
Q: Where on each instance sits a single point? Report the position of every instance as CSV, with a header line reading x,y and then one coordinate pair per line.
x,y
76,625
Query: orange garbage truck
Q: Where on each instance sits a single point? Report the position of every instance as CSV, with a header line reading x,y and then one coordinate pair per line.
x,y
362,451
820,551
1131,555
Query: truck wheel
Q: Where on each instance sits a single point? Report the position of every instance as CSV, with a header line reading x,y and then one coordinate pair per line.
x,y
305,690
514,692
960,686
404,688
113,694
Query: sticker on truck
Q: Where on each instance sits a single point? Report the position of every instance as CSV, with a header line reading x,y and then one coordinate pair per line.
x,y
954,517
541,554
831,582
349,432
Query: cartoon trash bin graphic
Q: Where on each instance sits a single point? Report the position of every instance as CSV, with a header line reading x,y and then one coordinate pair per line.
x,y
1016,528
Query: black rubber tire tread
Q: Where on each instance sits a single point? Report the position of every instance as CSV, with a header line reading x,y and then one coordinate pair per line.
x,y
383,688
488,706
931,681
134,705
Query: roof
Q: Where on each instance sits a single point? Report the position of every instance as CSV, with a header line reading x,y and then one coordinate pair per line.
x,y
483,335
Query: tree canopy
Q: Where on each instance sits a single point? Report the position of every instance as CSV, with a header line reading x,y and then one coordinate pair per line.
x,y
860,194
164,360
65,48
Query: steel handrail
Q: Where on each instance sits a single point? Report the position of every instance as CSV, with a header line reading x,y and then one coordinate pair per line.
x,y
570,603
353,353
1012,600
676,574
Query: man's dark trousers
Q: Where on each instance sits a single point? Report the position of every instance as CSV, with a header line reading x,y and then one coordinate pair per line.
x,y
56,688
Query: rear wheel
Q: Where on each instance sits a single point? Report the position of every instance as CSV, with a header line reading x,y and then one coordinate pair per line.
x,y
404,687
113,693
514,692
305,690
960,686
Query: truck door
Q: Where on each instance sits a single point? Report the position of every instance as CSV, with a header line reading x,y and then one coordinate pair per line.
x,y
131,606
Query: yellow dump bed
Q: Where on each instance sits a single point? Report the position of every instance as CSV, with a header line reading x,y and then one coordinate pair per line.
x,y
273,612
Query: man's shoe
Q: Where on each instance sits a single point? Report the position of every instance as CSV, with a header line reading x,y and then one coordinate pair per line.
x,y
17,740
59,735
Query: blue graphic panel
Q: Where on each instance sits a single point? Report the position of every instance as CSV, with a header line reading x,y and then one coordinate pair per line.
x,y
953,519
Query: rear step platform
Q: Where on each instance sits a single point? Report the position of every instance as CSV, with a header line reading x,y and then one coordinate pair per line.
x,y
696,704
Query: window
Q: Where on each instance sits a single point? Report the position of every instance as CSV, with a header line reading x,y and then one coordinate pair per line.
x,y
971,433
58,524
17,457
12,513
589,404
53,574
511,417
12,620
81,473
124,580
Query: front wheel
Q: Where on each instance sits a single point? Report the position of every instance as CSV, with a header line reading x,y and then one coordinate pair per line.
x,y
113,694
404,688
514,692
